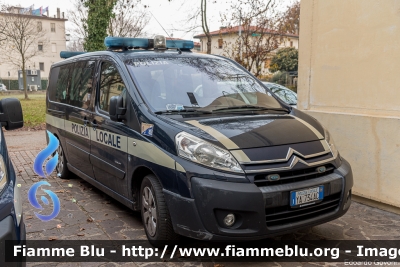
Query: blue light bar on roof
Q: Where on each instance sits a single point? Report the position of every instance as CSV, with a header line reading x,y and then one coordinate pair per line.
x,y
129,43
181,44
123,42
68,54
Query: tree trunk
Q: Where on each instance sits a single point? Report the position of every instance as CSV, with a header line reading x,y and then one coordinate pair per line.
x,y
204,25
208,44
24,80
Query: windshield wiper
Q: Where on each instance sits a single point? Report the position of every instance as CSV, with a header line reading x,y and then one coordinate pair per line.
x,y
251,107
181,111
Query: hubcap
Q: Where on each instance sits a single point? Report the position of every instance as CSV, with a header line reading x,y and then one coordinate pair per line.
x,y
149,210
60,163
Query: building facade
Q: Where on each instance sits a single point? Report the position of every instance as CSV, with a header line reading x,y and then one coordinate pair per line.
x,y
348,79
228,36
54,42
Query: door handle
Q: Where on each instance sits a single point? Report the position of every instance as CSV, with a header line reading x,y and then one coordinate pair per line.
x,y
94,124
85,121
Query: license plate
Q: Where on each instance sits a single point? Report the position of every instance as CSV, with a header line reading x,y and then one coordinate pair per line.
x,y
306,197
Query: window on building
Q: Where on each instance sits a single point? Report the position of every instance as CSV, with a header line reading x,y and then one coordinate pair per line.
x,y
40,46
39,26
291,43
111,84
53,48
41,66
220,43
53,27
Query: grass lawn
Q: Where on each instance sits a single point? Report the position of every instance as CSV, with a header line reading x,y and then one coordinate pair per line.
x,y
34,109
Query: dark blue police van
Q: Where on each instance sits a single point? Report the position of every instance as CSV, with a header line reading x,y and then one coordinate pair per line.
x,y
193,141
12,225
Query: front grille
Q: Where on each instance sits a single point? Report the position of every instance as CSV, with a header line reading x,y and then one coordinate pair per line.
x,y
293,176
280,216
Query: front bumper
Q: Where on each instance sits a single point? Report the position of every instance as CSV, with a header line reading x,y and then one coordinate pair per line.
x,y
10,231
261,212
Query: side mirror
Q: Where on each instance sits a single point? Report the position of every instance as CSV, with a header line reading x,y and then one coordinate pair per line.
x,y
117,110
11,114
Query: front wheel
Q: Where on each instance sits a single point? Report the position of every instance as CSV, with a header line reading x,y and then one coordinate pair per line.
x,y
61,168
155,215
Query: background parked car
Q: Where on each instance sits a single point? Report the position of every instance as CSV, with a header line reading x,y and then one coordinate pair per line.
x,y
3,87
283,93
12,226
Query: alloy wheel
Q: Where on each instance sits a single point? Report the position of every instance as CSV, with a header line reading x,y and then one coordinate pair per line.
x,y
149,211
60,163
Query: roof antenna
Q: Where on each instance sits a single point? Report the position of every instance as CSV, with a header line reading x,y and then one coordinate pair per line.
x,y
179,50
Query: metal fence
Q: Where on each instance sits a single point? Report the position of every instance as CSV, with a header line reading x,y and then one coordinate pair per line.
x,y
13,84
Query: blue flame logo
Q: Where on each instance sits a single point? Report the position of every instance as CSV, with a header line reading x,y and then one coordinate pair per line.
x,y
49,168
32,199
44,154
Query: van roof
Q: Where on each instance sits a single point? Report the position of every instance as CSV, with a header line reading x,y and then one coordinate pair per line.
x,y
125,55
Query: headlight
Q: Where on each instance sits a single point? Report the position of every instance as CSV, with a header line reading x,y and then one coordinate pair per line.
x,y
3,173
332,146
202,152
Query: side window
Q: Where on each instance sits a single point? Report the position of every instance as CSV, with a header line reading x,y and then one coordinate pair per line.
x,y
111,84
63,84
52,87
81,84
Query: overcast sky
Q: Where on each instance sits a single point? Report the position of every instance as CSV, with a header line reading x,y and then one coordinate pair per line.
x,y
171,15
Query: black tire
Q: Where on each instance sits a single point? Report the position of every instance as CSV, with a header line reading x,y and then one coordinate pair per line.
x,y
62,168
163,225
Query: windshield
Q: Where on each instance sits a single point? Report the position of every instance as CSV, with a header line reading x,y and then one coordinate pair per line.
x,y
286,95
169,84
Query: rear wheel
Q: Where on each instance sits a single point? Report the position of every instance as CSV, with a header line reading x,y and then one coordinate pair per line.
x,y
155,215
61,168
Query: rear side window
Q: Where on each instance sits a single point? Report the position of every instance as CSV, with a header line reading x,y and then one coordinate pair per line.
x,y
53,83
111,84
81,84
62,85
72,83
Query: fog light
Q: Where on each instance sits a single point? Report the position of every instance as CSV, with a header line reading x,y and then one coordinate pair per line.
x,y
229,219
347,201
348,196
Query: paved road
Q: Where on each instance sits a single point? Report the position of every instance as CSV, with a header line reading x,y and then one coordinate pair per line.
x,y
25,140
87,213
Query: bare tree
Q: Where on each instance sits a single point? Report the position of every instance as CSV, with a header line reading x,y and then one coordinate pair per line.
x,y
78,17
204,25
197,18
129,20
256,23
24,40
75,45
291,19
